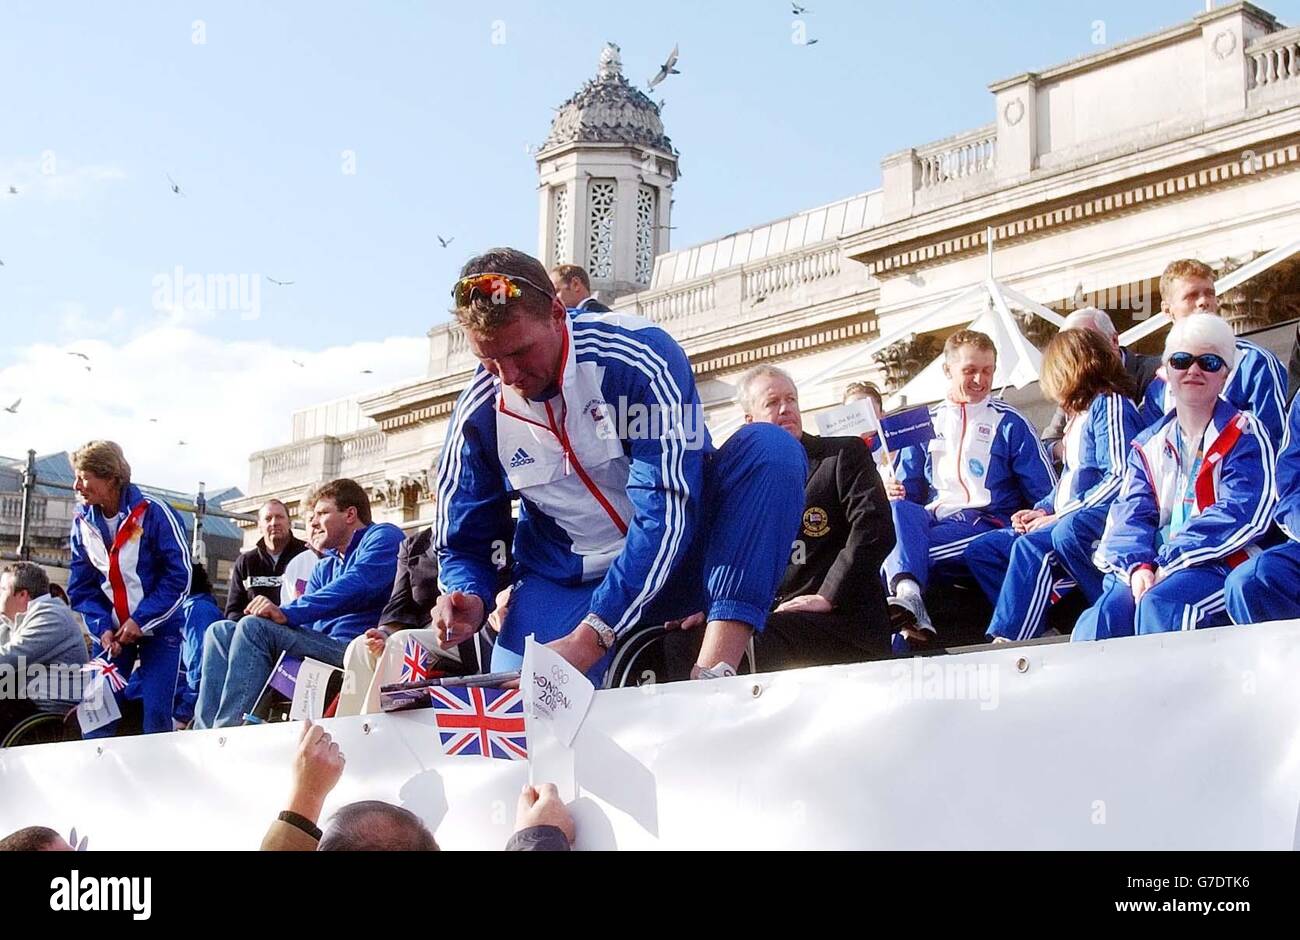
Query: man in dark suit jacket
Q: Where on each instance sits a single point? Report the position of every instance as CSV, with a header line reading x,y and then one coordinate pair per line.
x,y
831,603
1140,368
573,288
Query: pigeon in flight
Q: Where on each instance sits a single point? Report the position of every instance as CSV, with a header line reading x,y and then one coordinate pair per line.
x,y
175,186
13,190
180,443
812,42
297,363
446,241
278,283
666,69
79,355
798,10
13,409
153,420
367,371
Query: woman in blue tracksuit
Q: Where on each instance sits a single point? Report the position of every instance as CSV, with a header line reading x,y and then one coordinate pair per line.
x,y
1197,496
130,575
1017,567
1268,586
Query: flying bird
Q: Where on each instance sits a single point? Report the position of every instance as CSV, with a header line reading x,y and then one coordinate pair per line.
x,y
666,69
175,186
278,283
180,443
297,363
367,371
79,355
798,10
446,241
812,42
13,190
153,420
13,409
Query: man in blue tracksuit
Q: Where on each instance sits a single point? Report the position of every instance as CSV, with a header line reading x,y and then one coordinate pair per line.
x,y
346,594
1268,586
1018,568
130,575
627,513
984,463
1258,382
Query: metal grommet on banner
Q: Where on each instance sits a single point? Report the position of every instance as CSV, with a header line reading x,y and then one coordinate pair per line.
x,y
99,750
221,741
365,729
756,691
1022,664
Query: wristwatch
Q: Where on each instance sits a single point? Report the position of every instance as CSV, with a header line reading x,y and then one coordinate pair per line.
x,y
605,634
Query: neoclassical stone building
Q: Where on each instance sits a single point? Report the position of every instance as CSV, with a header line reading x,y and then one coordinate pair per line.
x,y
1090,176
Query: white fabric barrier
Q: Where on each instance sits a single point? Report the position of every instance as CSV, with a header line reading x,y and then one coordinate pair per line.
x,y
1180,741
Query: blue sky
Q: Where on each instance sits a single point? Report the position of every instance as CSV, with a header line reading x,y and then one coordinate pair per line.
x,y
253,123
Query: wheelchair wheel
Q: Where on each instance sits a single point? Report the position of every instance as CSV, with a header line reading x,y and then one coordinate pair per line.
x,y
639,659
41,728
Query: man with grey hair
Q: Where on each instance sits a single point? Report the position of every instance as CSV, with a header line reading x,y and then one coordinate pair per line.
x,y
259,572
830,606
45,634
1139,367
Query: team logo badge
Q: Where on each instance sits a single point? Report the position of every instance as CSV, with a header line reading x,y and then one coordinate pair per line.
x,y
976,467
816,522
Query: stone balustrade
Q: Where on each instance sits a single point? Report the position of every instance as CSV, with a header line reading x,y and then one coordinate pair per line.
x,y
958,158
1274,64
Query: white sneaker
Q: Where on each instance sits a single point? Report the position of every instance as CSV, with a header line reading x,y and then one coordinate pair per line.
x,y
909,611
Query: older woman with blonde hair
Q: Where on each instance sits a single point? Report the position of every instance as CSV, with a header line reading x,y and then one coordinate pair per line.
x,y
1018,567
130,575
1196,498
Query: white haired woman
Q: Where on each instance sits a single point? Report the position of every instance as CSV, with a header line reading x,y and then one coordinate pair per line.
x,y
1196,498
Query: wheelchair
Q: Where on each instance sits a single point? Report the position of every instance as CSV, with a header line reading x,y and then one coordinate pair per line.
x,y
639,659
43,728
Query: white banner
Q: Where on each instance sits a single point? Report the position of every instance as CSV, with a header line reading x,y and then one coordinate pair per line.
x,y
1181,741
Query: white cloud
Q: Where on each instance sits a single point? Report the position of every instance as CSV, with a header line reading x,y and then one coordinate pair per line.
x,y
52,176
225,399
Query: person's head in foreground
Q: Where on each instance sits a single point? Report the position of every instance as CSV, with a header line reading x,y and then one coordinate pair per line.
x,y
34,839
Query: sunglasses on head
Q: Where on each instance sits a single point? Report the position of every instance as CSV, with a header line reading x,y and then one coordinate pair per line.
x,y
497,288
1209,362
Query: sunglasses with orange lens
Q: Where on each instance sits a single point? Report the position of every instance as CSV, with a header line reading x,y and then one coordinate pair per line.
x,y
497,288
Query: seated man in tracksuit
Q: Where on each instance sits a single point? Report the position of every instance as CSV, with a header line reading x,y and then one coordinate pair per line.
x,y
1196,498
1268,586
348,588
1258,381
831,604
983,464
1018,568
627,513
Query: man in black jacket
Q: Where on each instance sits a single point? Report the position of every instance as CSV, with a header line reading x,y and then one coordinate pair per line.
x,y
573,288
1140,367
258,571
831,603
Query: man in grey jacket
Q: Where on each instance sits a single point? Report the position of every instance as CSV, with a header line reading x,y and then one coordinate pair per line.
x,y
41,651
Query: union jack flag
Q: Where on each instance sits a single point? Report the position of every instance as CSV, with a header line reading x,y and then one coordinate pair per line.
x,y
112,675
417,664
481,722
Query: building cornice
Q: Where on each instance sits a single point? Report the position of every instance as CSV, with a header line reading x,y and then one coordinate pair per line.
x,y
1092,193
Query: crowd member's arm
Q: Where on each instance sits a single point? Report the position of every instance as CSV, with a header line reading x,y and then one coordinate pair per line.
x,y
1129,541
237,595
542,822
472,510
1241,512
871,529
367,581
164,532
1287,514
665,485
1054,433
1153,402
317,768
